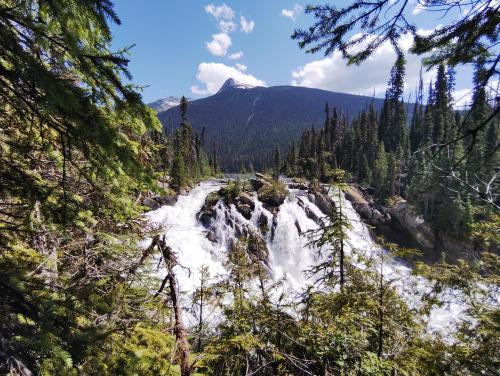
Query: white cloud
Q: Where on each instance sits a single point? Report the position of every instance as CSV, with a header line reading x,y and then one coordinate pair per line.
x,y
219,44
220,12
292,13
227,26
236,55
371,76
213,75
417,9
246,26
240,67
462,98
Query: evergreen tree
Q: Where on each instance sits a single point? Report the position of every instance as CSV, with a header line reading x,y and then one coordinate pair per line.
x,y
277,163
380,171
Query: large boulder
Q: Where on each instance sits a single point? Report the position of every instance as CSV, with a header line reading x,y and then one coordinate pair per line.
x,y
150,203
260,181
324,202
207,212
205,216
245,210
166,200
263,223
245,198
273,195
407,217
366,210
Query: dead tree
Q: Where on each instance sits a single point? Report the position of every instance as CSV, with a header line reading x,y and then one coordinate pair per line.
x,y
170,260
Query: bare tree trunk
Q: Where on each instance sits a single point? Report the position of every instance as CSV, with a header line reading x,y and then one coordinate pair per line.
x,y
341,244
380,349
179,330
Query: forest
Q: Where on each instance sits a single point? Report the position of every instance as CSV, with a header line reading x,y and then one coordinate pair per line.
x,y
90,284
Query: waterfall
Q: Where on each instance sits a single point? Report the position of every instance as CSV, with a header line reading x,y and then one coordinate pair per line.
x,y
289,254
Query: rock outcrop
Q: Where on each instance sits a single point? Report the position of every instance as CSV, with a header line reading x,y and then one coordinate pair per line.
x,y
207,212
156,202
407,217
371,213
402,224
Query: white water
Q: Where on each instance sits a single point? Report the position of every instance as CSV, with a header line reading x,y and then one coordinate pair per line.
x,y
289,255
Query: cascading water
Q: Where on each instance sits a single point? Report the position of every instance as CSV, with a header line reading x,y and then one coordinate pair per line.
x,y
289,254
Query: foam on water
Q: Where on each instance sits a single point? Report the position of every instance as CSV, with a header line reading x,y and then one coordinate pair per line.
x,y
289,255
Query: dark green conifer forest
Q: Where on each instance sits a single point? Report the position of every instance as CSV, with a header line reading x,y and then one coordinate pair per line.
x,y
80,153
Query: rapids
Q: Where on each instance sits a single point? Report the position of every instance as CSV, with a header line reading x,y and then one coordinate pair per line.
x,y
289,253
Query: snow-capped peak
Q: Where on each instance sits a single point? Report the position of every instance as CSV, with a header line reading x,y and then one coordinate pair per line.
x,y
231,83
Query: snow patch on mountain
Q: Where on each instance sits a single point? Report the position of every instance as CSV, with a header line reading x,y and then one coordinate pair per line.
x,y
164,104
231,83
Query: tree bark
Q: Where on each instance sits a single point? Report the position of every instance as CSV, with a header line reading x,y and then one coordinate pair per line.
x,y
179,330
341,244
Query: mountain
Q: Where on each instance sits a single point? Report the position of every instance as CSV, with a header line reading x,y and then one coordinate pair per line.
x,y
246,123
164,104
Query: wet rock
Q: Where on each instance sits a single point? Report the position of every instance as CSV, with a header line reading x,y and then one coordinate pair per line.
x,y
211,236
246,199
275,223
207,212
273,195
245,210
407,217
299,184
241,231
368,211
311,215
150,203
260,181
229,221
273,201
297,226
212,199
205,216
262,222
324,202
166,200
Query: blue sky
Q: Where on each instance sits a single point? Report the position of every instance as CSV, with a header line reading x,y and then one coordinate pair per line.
x,y
182,48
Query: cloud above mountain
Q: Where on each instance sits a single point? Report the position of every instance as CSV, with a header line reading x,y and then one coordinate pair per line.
x,y
219,44
370,77
224,15
213,75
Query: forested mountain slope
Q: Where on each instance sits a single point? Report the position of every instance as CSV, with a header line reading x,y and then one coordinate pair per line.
x,y
245,124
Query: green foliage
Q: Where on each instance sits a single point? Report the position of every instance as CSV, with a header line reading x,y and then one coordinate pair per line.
x,y
190,162
450,181
77,146
274,191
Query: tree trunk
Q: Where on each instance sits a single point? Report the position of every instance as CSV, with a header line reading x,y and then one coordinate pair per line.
x,y
341,244
179,330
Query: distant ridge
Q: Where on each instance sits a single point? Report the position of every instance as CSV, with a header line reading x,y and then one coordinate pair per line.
x,y
246,123
164,104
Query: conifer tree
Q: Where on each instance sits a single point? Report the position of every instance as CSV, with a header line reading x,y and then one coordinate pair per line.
x,y
277,163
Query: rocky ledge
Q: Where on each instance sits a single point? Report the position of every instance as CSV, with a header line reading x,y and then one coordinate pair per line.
x,y
402,224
